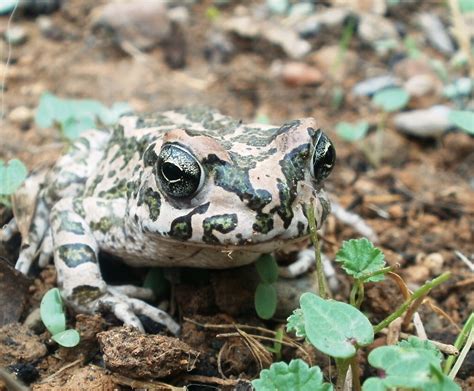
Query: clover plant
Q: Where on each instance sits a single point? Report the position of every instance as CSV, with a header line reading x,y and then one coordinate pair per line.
x,y
463,119
54,318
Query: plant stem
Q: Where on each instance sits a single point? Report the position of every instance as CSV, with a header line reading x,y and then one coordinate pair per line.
x,y
460,340
355,374
378,272
315,240
357,293
342,365
422,291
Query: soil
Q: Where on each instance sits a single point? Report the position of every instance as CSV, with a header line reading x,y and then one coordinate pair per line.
x,y
419,200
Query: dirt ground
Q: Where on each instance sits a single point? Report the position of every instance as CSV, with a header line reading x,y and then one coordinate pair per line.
x,y
419,200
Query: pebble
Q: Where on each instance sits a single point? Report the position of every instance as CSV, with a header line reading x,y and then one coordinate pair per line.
x,y
15,35
409,67
436,33
327,57
434,262
460,87
378,7
33,321
297,74
420,85
21,115
370,86
373,28
142,23
417,273
301,9
332,18
179,15
425,123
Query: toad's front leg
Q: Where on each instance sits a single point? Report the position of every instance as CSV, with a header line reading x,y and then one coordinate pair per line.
x,y
76,260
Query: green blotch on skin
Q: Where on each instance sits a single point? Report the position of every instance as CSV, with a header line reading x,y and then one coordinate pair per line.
x,y
84,294
181,227
152,199
70,226
263,223
76,254
221,223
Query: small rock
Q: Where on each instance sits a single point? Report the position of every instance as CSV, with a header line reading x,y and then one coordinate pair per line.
x,y
373,28
436,33
137,355
331,18
434,262
49,29
15,35
179,15
378,7
21,115
458,88
431,122
33,321
370,86
420,85
287,39
417,273
19,344
328,57
142,23
219,48
299,74
289,292
409,67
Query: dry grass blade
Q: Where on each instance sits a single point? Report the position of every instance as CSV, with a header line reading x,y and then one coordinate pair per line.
x,y
145,385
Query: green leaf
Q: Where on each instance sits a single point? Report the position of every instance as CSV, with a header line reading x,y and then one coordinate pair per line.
x,y
52,311
391,99
67,338
463,120
333,327
12,176
408,367
267,268
350,132
296,323
466,6
112,115
156,281
359,257
296,376
265,300
417,343
7,5
72,128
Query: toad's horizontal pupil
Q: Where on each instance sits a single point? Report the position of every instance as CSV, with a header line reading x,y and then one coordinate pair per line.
x,y
171,171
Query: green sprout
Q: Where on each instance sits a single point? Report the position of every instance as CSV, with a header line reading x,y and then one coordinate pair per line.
x,y
54,318
266,294
12,175
76,115
388,101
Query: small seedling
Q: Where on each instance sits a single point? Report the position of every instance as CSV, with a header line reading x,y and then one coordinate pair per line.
x,y
53,317
463,120
352,132
388,101
296,376
76,115
364,262
12,176
266,295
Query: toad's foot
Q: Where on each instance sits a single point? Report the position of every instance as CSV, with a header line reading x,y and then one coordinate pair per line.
x,y
127,308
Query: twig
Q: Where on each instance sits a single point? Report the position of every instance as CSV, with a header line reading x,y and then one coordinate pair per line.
x,y
445,348
420,329
212,379
142,384
61,370
465,259
417,294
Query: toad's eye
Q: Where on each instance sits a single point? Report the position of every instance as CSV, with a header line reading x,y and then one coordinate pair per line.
x,y
179,173
324,157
